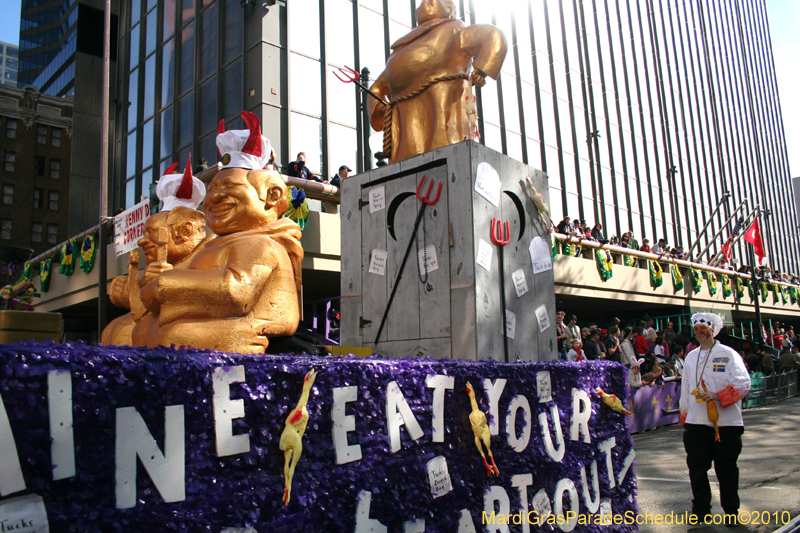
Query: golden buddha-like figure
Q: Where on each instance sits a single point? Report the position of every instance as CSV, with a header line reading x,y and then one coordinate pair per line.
x,y
242,288
427,81
185,234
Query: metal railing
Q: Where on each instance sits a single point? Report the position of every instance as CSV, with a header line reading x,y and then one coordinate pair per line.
x,y
765,390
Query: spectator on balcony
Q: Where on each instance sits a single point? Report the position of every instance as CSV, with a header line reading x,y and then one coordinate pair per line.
x,y
625,240
564,226
298,169
658,248
645,246
597,233
789,360
336,181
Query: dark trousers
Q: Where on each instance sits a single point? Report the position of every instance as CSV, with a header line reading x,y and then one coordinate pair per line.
x,y
701,450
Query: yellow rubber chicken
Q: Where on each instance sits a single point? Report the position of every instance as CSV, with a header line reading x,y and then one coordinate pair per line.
x,y
612,402
482,434
292,437
713,413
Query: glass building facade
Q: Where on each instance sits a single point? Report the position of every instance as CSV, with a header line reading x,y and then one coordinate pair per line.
x,y
9,64
644,113
47,43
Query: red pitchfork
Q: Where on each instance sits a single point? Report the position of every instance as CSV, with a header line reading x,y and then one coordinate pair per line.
x,y
501,240
352,76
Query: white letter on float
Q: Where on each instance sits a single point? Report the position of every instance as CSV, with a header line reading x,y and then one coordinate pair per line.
x,y
493,393
626,466
343,424
498,494
522,482
566,485
225,410
399,413
592,505
606,446
414,526
11,479
439,384
556,454
518,444
465,523
167,470
581,413
59,407
365,524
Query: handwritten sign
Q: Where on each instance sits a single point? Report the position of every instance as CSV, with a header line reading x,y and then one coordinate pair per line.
x,y
428,258
377,263
439,477
544,387
542,318
485,252
129,227
487,183
520,284
26,513
541,255
377,199
511,324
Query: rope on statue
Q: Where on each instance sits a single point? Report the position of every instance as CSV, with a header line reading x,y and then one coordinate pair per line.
x,y
387,110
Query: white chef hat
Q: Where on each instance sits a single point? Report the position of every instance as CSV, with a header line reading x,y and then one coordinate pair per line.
x,y
710,320
243,148
180,189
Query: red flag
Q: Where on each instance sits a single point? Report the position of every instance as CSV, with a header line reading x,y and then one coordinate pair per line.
x,y
727,251
753,236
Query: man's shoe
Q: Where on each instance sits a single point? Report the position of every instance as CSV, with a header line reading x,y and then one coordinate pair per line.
x,y
699,517
731,519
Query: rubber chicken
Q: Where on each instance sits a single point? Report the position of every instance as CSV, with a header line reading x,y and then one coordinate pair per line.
x,y
612,402
713,413
538,201
292,437
482,434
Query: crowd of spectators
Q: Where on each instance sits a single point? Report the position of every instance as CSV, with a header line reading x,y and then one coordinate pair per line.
x,y
657,356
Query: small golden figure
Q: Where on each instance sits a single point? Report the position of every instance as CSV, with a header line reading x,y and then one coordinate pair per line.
x,y
480,427
292,437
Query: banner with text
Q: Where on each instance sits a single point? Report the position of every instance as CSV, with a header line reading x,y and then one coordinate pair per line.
x,y
129,227
134,439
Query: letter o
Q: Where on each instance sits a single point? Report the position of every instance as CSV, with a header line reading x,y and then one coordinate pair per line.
x,y
518,443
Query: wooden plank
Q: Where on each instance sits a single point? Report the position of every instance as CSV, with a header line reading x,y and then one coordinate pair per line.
x,y
462,254
374,286
544,283
351,261
438,348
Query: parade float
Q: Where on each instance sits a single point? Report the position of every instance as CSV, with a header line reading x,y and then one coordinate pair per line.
x,y
461,422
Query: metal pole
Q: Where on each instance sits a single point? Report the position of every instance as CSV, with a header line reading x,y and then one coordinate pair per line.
x,y
756,290
101,241
722,200
721,229
367,162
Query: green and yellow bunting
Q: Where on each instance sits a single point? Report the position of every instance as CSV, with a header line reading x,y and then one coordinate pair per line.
x,y
629,260
739,287
656,273
67,258
88,252
726,286
572,250
775,292
697,280
45,271
677,277
27,271
604,264
784,294
764,290
712,283
793,294
554,246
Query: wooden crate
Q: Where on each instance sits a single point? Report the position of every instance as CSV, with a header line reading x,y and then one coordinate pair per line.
x,y
17,326
456,313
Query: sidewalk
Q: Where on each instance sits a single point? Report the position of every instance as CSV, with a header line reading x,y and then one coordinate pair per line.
x,y
769,472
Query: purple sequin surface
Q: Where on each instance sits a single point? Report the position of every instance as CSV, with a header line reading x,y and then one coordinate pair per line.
x,y
245,490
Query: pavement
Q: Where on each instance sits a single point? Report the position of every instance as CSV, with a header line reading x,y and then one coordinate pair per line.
x,y
769,473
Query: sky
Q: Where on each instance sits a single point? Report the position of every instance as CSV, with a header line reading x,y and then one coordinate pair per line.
x,y
784,19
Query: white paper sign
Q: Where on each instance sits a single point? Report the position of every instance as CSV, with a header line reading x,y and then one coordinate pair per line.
x,y
605,511
542,318
544,387
541,255
487,183
520,284
428,257
439,477
485,252
377,198
377,262
28,510
511,324
541,504
129,227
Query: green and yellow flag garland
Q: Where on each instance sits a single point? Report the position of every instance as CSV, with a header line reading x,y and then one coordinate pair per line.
x,y
554,246
656,273
604,264
27,271
739,287
45,271
697,280
88,252
775,291
629,260
764,290
793,294
712,283
67,258
784,294
677,277
726,286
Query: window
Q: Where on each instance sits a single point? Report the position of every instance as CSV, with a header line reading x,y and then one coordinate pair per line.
x,y
5,229
55,168
11,128
52,233
11,158
41,134
52,203
38,165
38,198
8,194
36,232
55,137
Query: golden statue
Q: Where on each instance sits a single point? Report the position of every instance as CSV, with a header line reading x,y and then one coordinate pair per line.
x,y
427,82
242,288
183,230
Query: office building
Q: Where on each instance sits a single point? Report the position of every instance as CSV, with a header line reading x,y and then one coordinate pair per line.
x,y
9,64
